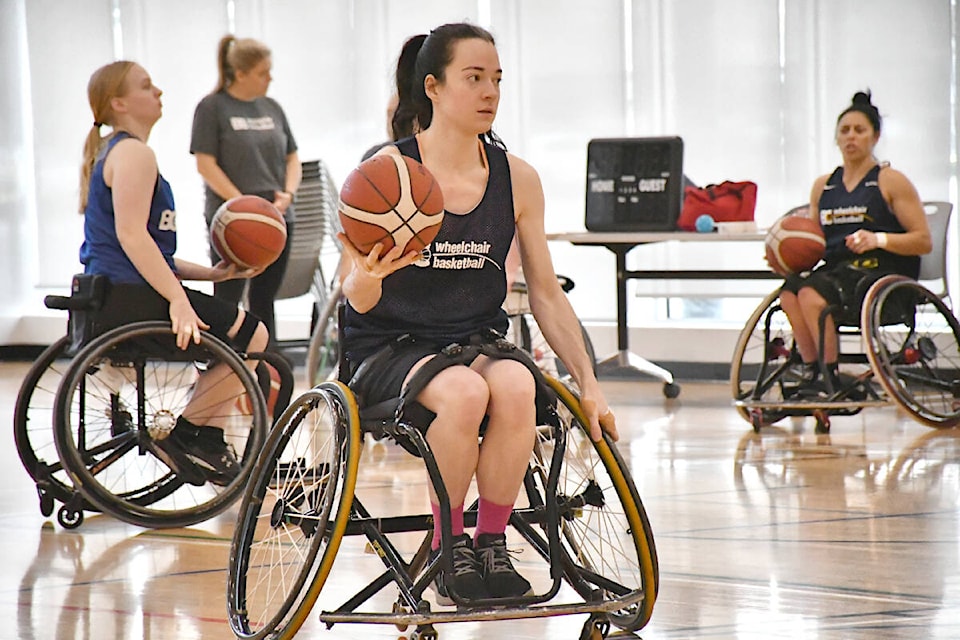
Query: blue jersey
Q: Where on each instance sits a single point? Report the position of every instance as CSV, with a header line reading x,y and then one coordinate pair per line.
x,y
457,289
842,212
101,252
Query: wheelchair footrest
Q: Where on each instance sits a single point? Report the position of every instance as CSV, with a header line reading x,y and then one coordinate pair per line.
x,y
812,404
485,613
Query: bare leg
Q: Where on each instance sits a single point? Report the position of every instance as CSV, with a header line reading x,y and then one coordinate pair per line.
x,y
511,429
216,390
813,305
803,334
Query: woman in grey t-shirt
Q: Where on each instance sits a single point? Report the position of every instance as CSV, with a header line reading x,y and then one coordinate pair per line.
x,y
244,145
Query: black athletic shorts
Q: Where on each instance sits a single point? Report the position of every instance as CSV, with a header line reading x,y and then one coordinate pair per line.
x,y
127,303
842,286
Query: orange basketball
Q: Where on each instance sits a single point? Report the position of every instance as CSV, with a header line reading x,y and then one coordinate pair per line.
x,y
391,199
249,232
794,244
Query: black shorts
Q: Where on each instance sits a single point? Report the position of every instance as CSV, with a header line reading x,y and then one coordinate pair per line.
x,y
387,369
127,303
843,287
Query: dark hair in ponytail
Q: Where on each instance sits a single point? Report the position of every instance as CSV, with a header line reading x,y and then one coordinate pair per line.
x,y
424,55
861,102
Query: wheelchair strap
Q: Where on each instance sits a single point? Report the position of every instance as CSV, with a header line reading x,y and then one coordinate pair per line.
x,y
491,344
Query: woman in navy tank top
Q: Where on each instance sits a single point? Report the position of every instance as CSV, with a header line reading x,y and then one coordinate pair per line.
x,y
874,224
130,237
448,87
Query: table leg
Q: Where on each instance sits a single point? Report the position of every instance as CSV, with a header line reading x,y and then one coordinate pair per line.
x,y
623,362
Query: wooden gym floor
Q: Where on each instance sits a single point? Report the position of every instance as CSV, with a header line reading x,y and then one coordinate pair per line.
x,y
782,535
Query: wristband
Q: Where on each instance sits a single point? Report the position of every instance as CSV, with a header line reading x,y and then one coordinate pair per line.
x,y
881,240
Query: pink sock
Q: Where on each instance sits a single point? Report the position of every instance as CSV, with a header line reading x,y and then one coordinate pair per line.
x,y
456,523
492,517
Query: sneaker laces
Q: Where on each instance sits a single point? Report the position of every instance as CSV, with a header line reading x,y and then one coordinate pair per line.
x,y
464,559
496,558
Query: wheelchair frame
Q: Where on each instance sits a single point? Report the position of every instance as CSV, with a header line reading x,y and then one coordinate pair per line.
x,y
301,502
90,406
915,359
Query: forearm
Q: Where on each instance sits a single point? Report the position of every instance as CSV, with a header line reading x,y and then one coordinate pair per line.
x,y
294,174
215,178
193,271
559,325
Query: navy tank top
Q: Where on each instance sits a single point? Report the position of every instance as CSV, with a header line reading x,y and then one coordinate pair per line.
x,y
458,287
101,252
842,212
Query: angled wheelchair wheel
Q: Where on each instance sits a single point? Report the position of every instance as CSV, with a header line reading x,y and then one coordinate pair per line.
x,y
762,354
122,393
33,430
604,530
913,345
294,513
323,349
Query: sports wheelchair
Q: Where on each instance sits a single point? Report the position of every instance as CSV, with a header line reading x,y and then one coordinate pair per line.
x,y
93,404
579,511
901,347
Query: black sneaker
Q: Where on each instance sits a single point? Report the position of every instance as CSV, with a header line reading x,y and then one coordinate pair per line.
x,y
172,454
207,445
501,579
466,578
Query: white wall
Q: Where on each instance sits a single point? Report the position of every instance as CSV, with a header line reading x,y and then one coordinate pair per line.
x,y
753,86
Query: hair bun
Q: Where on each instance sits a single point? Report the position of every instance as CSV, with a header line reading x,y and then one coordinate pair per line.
x,y
862,98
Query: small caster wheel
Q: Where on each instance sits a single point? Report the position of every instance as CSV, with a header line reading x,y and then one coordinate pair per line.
x,y
595,628
671,390
69,518
46,503
424,632
823,422
756,419
400,608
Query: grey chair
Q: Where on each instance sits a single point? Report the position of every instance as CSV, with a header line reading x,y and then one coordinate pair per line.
x,y
933,266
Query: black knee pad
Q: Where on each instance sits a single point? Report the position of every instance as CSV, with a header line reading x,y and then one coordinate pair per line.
x,y
245,333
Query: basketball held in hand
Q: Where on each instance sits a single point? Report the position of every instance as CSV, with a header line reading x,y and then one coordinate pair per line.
x,y
393,200
794,244
249,232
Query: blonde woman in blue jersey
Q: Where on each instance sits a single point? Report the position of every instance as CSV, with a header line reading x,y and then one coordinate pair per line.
x,y
448,88
874,224
130,238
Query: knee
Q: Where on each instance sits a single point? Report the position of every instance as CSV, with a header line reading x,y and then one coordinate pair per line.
x,y
460,392
512,387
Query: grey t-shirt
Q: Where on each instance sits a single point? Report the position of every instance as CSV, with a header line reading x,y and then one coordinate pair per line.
x,y
250,139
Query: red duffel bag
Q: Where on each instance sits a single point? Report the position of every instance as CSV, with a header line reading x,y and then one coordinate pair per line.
x,y
724,202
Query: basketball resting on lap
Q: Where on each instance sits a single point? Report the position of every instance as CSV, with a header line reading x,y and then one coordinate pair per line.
x,y
873,223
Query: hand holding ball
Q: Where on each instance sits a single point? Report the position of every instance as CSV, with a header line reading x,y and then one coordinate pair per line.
x,y
249,232
794,244
393,200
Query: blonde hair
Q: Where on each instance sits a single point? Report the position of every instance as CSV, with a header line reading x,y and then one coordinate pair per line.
x,y
106,83
237,54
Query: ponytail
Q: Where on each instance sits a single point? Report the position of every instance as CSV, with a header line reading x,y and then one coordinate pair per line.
x,y
413,106
225,74
105,84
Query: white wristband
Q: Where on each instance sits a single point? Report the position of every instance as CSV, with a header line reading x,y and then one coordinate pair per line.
x,y
881,239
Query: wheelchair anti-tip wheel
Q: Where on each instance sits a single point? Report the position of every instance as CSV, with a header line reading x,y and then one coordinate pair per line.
x,y
913,345
123,392
294,514
33,435
604,527
763,351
